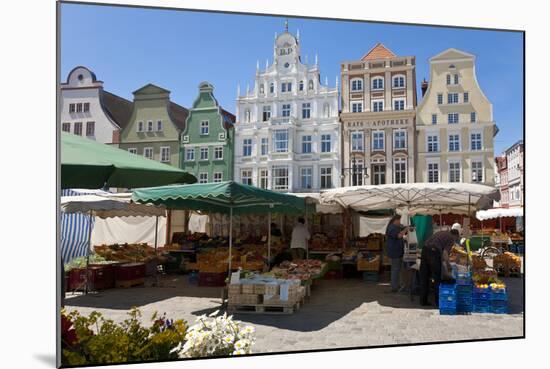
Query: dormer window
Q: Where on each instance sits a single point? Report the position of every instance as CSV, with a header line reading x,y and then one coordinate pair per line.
x,y
357,84
140,126
378,83
150,126
159,125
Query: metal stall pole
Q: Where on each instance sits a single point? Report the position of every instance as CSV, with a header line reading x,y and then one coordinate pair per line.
x,y
156,252
269,241
88,252
230,237
469,230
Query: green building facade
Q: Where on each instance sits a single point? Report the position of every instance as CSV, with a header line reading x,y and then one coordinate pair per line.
x,y
207,142
155,126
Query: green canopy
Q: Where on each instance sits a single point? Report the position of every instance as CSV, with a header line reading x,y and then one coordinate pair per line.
x,y
89,164
220,198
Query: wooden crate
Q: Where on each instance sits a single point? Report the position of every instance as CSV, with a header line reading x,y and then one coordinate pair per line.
x,y
234,289
247,288
259,289
272,289
245,299
365,265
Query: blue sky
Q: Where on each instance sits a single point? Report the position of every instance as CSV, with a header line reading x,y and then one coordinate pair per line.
x,y
130,47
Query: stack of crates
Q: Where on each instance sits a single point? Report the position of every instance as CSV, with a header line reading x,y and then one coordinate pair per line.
x,y
480,300
498,301
447,299
464,291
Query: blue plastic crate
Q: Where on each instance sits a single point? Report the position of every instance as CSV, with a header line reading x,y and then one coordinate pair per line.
x,y
480,302
447,289
481,295
444,311
498,303
481,309
447,305
499,310
499,296
465,288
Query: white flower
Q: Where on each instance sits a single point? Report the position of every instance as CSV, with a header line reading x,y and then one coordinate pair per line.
x,y
239,352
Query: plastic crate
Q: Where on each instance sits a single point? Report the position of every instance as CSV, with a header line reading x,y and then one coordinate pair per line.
x,y
480,302
371,276
499,310
447,289
464,289
481,309
444,311
498,303
481,295
502,296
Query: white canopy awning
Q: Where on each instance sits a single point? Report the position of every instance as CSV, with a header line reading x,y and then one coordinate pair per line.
x,y
425,198
315,198
499,213
109,205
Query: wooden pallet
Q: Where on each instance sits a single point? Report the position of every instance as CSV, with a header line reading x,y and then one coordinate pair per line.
x,y
130,283
264,309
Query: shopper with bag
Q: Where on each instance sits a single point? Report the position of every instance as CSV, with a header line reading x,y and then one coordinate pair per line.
x,y
434,262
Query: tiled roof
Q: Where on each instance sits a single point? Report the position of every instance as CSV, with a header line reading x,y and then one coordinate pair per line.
x,y
228,118
178,114
118,108
379,51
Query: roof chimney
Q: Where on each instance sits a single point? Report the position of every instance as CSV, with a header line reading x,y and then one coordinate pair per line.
x,y
424,86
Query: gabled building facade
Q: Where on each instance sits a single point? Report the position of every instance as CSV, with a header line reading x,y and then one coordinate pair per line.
x,y
155,125
88,110
287,132
454,122
378,118
514,160
207,142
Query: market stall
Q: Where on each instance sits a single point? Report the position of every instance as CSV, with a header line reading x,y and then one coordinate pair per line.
x,y
108,206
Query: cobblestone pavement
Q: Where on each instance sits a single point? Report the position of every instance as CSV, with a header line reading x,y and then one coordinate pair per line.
x,y
339,313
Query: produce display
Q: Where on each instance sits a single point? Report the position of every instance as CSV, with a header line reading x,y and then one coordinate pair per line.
x,y
324,242
373,242
80,262
368,261
507,262
141,253
485,278
300,269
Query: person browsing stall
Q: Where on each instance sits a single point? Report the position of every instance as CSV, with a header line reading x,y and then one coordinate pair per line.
x,y
395,232
299,240
435,253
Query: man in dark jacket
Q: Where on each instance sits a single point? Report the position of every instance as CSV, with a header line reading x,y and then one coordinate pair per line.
x,y
435,250
395,249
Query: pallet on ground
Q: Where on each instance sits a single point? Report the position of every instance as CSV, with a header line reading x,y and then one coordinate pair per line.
x,y
263,308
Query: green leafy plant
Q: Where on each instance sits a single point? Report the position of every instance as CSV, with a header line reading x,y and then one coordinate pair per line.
x,y
102,341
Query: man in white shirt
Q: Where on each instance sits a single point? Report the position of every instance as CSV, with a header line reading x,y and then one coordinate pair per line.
x,y
300,238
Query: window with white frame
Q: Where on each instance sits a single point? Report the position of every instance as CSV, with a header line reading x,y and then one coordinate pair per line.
x,y
357,84
203,177
190,154
452,98
205,127
473,117
434,118
456,79
280,177
433,172
326,177
377,105
454,171
66,127
72,108
286,87
378,83
306,177
264,146
263,178
159,125
306,144
218,153
475,141
78,128
280,140
356,106
247,147
325,143
399,104
285,110
466,97
378,140
477,171
399,139
246,176
86,107
433,143
439,99
454,142
357,141
306,110
148,152
203,153
132,150
79,107
399,81
452,118
357,167
448,79
271,88
150,126
301,86
90,129
217,177
400,170
165,154
379,174
140,126
266,113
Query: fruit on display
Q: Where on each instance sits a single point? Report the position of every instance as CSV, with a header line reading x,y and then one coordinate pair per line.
x,y
485,277
323,241
300,269
80,262
507,260
128,252
478,262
